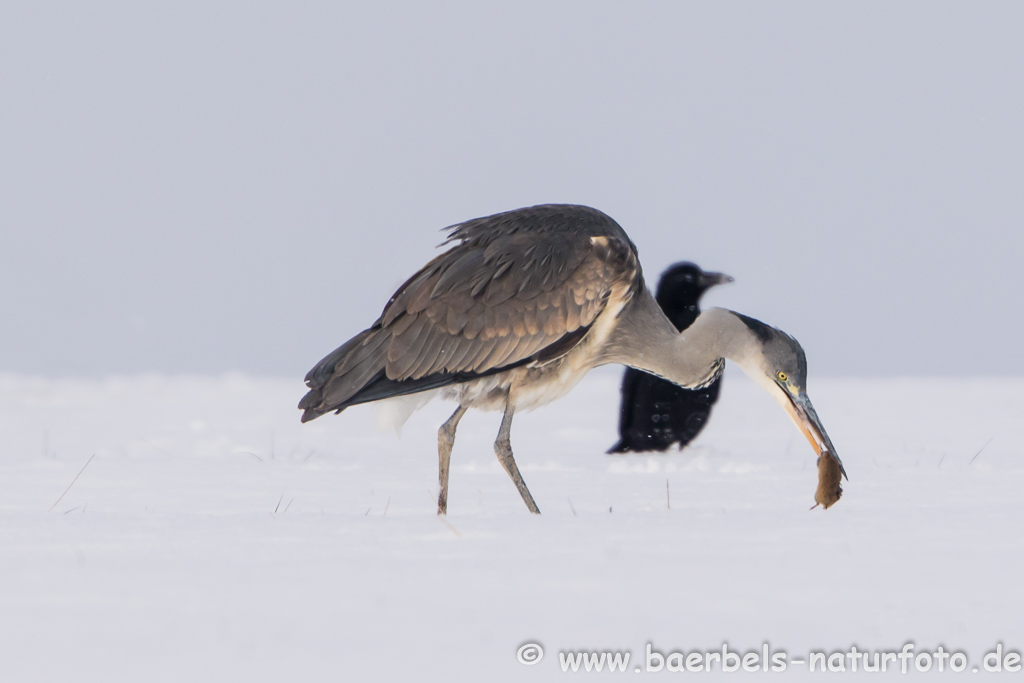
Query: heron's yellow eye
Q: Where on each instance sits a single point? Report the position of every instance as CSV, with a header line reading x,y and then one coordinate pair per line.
x,y
782,376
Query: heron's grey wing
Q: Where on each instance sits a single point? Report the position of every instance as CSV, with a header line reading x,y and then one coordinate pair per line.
x,y
517,287
486,307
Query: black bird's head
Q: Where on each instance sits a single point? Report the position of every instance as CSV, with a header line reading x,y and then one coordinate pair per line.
x,y
680,289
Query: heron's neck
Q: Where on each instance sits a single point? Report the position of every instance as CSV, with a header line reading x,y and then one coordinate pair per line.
x,y
647,340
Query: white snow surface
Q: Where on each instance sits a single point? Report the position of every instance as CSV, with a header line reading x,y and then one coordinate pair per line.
x,y
215,538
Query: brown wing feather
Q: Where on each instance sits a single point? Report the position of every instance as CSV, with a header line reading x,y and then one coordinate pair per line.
x,y
521,285
518,313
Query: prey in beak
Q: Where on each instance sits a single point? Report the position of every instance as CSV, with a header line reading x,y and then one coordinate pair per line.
x,y
830,467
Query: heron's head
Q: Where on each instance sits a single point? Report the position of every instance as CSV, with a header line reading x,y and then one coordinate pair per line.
x,y
778,363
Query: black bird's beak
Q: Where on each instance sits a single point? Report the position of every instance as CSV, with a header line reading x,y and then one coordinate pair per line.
x,y
830,467
711,279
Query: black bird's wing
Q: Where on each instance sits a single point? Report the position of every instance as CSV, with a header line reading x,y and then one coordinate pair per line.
x,y
517,287
655,414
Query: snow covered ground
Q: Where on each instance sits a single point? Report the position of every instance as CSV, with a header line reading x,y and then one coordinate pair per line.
x,y
214,538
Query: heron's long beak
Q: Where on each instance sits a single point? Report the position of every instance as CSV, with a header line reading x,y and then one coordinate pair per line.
x,y
807,420
830,467
711,279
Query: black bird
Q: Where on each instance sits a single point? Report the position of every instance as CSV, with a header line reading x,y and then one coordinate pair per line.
x,y
656,413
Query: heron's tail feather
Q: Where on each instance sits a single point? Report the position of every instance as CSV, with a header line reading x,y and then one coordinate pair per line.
x,y
394,412
354,373
343,373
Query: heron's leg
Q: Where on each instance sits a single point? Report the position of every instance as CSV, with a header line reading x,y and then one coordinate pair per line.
x,y
445,441
503,449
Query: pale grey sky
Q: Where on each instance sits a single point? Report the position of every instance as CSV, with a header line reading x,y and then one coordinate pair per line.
x,y
209,187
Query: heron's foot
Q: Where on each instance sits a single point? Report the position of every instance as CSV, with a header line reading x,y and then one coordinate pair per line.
x,y
445,441
504,452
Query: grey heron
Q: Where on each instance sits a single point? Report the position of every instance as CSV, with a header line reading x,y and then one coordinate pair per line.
x,y
521,307
655,413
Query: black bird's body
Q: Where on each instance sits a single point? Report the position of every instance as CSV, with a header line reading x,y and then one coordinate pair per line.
x,y
655,413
